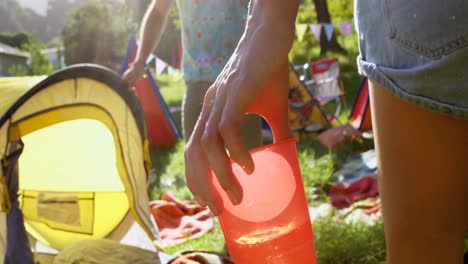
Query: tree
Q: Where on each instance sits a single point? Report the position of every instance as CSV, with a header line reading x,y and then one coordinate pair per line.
x,y
167,48
14,18
97,32
39,63
57,11
139,8
17,40
323,16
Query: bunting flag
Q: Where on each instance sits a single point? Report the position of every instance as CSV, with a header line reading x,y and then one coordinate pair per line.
x,y
328,30
300,31
160,66
170,70
316,30
346,28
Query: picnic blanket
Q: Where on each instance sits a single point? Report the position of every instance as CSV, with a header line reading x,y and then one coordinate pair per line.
x,y
356,166
356,180
180,221
344,194
368,211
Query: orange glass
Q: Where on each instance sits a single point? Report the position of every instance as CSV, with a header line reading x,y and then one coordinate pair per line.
x,y
272,223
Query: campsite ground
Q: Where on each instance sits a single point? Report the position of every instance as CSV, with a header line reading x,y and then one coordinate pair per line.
x,y
336,241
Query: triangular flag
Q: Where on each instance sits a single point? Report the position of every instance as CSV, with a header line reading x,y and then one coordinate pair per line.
x,y
300,31
160,66
346,28
316,29
328,30
170,70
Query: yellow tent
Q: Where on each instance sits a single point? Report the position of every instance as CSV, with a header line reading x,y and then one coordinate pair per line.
x,y
75,161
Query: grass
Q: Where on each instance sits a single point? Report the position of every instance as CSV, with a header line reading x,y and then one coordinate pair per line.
x,y
340,242
336,241
213,241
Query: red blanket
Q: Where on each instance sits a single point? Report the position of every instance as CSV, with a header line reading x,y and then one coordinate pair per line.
x,y
179,221
344,194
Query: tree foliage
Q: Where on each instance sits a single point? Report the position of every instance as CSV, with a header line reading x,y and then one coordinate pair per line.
x,y
17,40
14,18
39,63
56,14
97,32
139,8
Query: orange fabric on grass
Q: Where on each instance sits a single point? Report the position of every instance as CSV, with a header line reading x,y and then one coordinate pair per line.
x,y
180,221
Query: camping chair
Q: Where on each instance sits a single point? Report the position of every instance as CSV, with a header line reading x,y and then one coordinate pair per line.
x,y
306,117
359,123
323,79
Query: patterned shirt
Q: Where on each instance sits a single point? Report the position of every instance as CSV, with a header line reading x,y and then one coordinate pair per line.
x,y
211,30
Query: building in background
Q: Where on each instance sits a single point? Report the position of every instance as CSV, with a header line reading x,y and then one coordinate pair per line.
x,y
55,57
11,58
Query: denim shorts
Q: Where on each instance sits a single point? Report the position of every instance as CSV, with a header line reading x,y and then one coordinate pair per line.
x,y
418,50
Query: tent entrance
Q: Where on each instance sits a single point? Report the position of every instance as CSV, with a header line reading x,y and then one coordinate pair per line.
x,y
75,148
70,175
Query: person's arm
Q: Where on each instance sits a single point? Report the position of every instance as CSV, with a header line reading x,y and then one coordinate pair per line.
x,y
152,28
257,71
268,37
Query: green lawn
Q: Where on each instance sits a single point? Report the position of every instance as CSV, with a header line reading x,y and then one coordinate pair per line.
x,y
336,241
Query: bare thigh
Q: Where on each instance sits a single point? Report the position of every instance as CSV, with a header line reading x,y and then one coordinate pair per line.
x,y
423,179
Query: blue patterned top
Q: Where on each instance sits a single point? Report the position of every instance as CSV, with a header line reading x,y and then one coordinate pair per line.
x,y
211,30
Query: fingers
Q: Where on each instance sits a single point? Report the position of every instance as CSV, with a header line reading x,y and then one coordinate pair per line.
x,y
234,108
198,174
199,179
218,127
213,145
130,77
190,180
229,128
133,74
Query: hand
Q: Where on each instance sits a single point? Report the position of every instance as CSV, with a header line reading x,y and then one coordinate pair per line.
x,y
134,73
218,128
255,80
213,131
